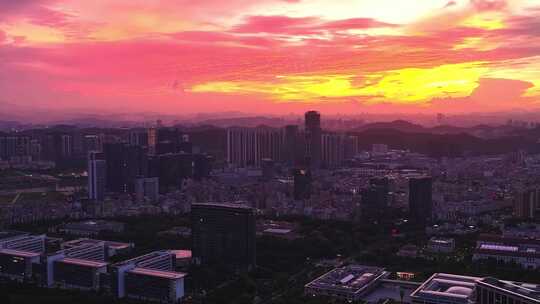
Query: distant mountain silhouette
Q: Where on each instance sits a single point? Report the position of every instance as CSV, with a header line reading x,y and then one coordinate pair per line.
x,y
400,125
451,145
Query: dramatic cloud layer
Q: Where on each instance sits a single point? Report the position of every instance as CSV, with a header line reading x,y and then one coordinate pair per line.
x,y
271,55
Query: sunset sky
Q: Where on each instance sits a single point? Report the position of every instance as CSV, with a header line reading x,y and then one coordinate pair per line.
x,y
271,56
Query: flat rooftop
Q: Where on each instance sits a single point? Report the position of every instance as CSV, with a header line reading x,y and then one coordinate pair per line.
x,y
85,241
81,262
442,241
19,253
240,205
455,288
158,273
143,258
182,254
352,279
525,290
8,234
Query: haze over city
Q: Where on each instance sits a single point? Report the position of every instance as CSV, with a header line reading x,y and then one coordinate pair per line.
x,y
270,56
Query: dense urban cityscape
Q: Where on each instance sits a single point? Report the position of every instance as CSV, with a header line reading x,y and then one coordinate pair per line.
x,y
270,152
291,214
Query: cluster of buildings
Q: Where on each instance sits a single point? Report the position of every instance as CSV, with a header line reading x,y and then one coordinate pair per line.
x,y
521,251
309,147
293,170
354,283
84,264
153,162
223,237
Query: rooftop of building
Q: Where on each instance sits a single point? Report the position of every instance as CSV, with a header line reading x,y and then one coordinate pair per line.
x,y
41,196
527,290
239,206
508,240
86,241
441,241
83,262
352,279
9,234
158,273
447,286
182,254
92,224
143,258
19,253
507,246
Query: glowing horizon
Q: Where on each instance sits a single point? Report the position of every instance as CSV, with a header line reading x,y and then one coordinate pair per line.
x,y
273,56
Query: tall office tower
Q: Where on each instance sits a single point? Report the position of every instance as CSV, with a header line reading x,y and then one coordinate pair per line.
x,y
50,145
11,146
35,149
294,148
202,166
224,235
246,147
173,168
92,143
24,146
97,174
333,150
185,146
526,203
420,200
124,164
171,135
302,184
147,187
351,146
66,146
152,140
77,141
375,199
268,169
313,138
138,137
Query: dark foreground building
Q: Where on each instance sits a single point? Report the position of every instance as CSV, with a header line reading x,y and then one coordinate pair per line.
x,y
224,235
420,200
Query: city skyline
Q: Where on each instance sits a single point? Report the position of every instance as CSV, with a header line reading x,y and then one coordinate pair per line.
x,y
271,56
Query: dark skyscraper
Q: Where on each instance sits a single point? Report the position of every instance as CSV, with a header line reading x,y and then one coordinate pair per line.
x,y
420,200
302,184
527,203
375,199
224,235
124,164
313,138
294,149
97,172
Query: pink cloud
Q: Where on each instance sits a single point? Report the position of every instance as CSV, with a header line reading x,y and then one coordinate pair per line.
x,y
304,25
492,95
10,9
489,5
450,4
48,17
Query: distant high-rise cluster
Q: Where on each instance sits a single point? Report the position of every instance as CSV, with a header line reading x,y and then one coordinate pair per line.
x,y
147,162
308,147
